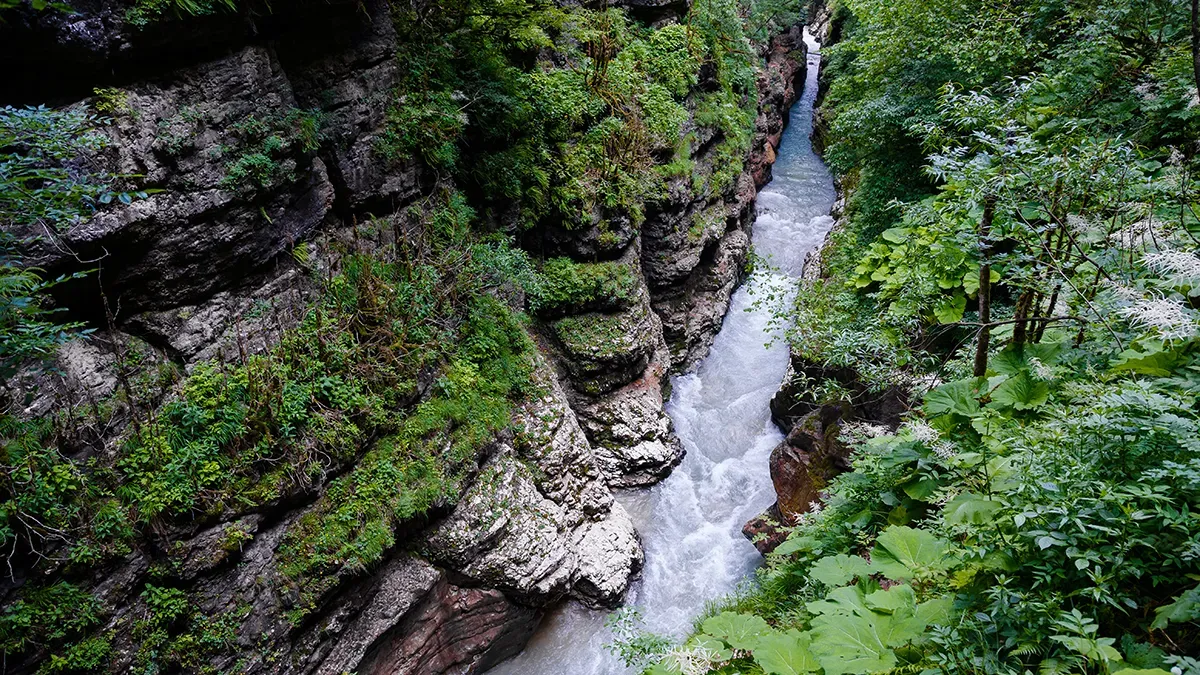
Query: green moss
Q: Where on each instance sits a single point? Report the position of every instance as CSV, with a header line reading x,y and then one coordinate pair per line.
x,y
567,286
46,616
110,101
407,473
599,337
243,433
578,137
145,12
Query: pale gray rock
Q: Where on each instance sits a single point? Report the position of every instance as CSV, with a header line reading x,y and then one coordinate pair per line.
x,y
538,521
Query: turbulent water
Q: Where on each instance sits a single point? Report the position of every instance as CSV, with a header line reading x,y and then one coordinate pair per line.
x,y
691,522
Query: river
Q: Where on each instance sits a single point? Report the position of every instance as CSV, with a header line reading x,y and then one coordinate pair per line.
x,y
691,522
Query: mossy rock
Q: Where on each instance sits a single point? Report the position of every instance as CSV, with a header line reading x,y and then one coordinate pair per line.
x,y
604,351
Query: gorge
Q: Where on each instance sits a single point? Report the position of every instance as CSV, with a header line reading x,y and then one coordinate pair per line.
x,y
539,337
691,523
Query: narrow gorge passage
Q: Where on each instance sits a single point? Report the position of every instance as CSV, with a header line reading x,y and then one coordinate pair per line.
x,y
691,523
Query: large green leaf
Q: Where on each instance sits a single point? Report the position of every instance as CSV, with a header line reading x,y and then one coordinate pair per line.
x,y
843,600
1149,358
740,631
935,612
839,570
1014,359
899,600
849,643
951,309
959,398
856,632
902,552
970,509
1021,392
795,545
787,653
1185,608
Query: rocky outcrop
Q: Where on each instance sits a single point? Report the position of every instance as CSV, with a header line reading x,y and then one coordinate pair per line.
x,y
538,522
695,250
691,254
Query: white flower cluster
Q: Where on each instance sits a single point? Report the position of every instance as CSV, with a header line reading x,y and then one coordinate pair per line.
x,y
1041,370
1123,293
1165,316
944,450
814,510
1140,234
854,433
1175,263
919,386
694,660
920,431
1078,223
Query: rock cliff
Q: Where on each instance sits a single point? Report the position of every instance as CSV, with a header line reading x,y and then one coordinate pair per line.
x,y
259,134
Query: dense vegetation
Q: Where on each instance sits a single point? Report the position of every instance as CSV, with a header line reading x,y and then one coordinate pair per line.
x,y
1018,259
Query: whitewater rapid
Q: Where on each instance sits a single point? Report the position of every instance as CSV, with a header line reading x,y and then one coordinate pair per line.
x,y
691,523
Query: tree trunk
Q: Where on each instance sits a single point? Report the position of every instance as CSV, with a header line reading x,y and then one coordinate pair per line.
x,y
1196,43
985,286
1020,326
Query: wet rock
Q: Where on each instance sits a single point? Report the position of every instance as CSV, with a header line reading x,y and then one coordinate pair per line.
x,y
803,465
212,548
610,555
766,531
212,223
601,237
231,323
455,630
692,313
632,435
695,250
602,352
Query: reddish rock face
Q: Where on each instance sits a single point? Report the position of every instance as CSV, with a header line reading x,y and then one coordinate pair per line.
x,y
765,532
807,460
461,630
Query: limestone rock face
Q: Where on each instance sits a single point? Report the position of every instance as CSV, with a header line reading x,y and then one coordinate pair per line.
x,y
616,364
539,523
211,224
602,351
695,249
632,435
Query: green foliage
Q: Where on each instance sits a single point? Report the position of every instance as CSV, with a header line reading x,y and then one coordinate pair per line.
x,y
145,12
46,616
566,286
1043,512
580,136
267,150
340,387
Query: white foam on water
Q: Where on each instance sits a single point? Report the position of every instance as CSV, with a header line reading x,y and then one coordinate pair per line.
x,y
691,522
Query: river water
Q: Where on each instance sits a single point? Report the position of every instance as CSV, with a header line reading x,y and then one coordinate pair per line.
x,y
691,522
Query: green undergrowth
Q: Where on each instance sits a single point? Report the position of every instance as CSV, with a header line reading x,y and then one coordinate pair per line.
x,y
571,287
266,158
423,463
